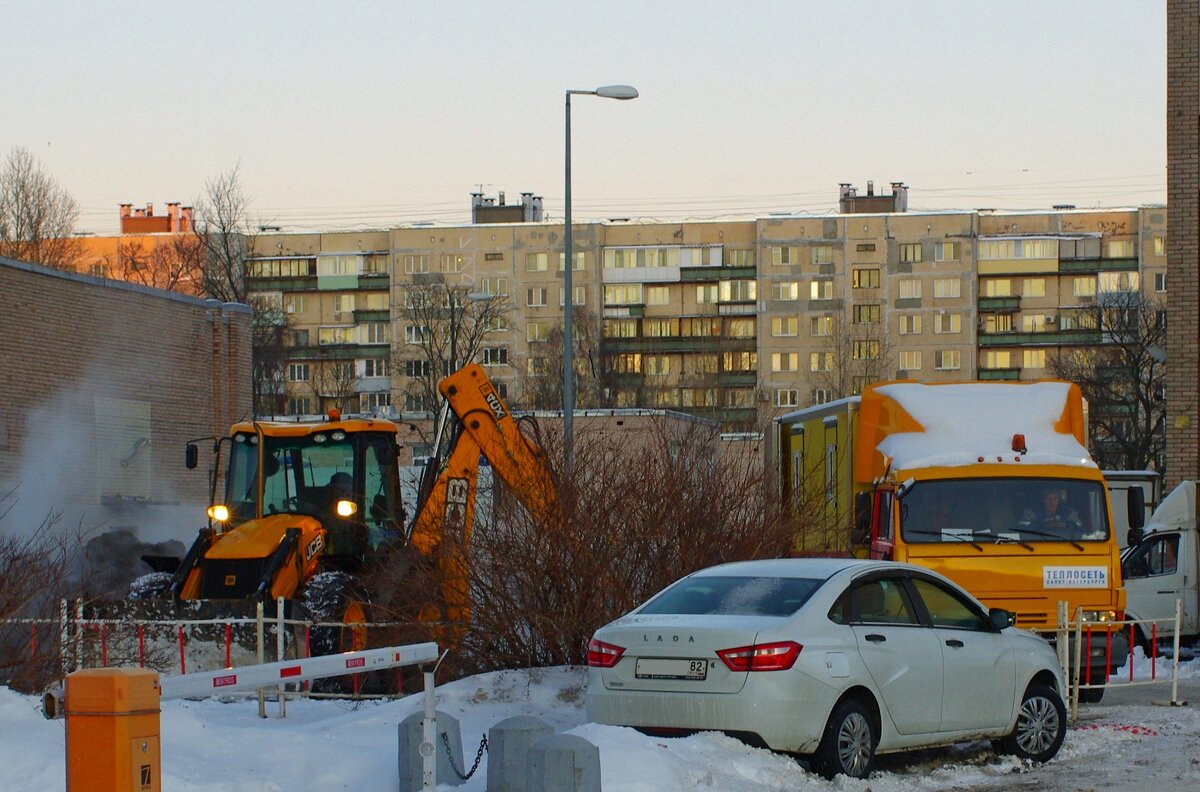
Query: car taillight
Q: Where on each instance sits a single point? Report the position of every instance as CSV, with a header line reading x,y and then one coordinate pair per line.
x,y
761,657
603,655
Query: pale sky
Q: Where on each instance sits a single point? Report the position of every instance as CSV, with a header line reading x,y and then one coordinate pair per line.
x,y
368,114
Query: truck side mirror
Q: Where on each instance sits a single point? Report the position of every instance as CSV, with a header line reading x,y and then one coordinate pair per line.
x,y
1136,508
863,505
191,456
1135,537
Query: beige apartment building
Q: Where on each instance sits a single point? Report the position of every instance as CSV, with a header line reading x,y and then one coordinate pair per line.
x,y
734,321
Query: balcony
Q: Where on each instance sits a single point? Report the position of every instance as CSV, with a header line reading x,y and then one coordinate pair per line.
x,y
706,274
1045,338
1000,374
710,344
376,315
737,378
999,303
624,311
1093,265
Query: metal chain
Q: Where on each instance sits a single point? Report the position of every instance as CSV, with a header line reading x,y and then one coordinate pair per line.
x,y
483,744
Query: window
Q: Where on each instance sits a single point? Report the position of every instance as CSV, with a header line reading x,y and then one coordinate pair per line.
x,y
739,361
910,324
705,293
537,262
415,265
946,288
739,291
300,338
658,295
820,325
865,247
1120,249
946,359
1110,282
337,335
630,363
373,301
785,291
996,287
536,331
947,251
1084,286
1157,555
820,361
787,397
741,257
821,395
375,367
417,402
452,262
739,397
865,278
660,328
704,364
946,609
881,601
996,359
1160,246
785,361
1160,281
294,303
299,405
866,314
1000,249
369,402
657,365
822,254
580,293
624,294
785,326
536,367
947,323
495,356
998,323
343,304
864,350
417,368
281,268
910,252
821,290
576,265
535,297
297,372
338,265
638,258
1033,323
414,334
1033,287
376,333
494,287
783,256
741,328
910,288
910,360
495,323
1033,358
700,326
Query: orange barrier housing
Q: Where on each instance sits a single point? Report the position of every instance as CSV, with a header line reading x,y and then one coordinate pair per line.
x,y
113,731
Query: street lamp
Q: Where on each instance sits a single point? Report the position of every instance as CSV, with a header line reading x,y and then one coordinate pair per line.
x,y
622,92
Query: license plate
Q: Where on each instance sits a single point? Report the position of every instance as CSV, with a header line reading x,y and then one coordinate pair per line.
x,y
662,668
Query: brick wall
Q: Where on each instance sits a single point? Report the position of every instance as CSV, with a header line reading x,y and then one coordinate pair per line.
x,y
104,382
1183,253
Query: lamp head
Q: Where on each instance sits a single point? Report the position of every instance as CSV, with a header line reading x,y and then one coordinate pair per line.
x,y
617,92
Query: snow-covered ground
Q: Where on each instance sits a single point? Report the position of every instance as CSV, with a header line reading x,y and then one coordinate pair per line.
x,y
214,746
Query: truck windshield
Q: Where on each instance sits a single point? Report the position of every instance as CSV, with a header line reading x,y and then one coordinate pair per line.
x,y
301,475
1004,510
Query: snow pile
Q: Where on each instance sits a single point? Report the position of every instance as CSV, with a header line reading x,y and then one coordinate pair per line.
x,y
965,421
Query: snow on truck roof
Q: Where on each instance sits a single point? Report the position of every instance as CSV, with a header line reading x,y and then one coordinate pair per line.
x,y
965,421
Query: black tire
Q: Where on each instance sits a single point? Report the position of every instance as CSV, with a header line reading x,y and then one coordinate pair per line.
x,y
848,744
1040,728
1091,695
335,597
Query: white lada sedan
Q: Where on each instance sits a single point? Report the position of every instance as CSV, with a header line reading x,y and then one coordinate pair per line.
x,y
836,659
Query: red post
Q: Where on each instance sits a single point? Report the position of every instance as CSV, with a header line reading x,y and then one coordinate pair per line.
x,y
1153,648
182,656
1087,658
228,645
1131,643
141,646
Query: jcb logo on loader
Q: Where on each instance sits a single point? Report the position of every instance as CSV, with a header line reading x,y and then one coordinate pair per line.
x,y
493,401
313,548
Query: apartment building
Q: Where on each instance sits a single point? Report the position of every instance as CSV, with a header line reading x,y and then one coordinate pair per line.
x,y
734,321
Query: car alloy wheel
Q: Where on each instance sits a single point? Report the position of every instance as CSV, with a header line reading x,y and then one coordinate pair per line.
x,y
1037,725
854,745
848,745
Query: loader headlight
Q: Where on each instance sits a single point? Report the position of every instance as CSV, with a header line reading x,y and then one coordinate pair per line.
x,y
346,508
1099,616
219,512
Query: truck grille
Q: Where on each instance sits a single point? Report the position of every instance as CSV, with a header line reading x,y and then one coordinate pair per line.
x,y
231,578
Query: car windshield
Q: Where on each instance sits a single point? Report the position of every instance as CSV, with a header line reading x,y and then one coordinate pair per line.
x,y
1004,510
733,596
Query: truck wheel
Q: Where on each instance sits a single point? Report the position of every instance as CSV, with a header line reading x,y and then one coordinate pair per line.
x,y
1041,726
1091,695
848,744
336,597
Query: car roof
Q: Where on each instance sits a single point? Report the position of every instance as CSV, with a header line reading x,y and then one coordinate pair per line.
x,y
796,567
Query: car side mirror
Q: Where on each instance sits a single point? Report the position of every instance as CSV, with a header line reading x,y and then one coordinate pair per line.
x,y
191,456
1134,537
1000,618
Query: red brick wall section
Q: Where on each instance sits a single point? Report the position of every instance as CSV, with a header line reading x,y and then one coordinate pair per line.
x,y
104,384
1183,253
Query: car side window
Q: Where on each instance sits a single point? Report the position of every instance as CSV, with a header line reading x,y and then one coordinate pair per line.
x,y
881,601
946,608
1157,555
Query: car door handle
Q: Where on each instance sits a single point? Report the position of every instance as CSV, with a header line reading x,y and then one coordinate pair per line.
x,y
957,644
875,638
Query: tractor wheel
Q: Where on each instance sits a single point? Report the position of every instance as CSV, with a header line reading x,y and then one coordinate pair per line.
x,y
336,597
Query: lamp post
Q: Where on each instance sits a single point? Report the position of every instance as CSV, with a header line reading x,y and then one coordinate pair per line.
x,y
622,92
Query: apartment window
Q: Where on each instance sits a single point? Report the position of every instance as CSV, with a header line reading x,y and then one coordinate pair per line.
x,y
785,361
820,325
740,328
997,359
783,256
535,297
865,247
580,293
1160,246
865,278
864,350
343,304
294,303
1109,282
297,372
629,363
739,291
496,323
269,303
657,365
337,335
658,295
368,402
909,288
740,257
866,314
947,251
495,356
821,395
300,338
1120,248
946,359
376,333
414,334
375,367
699,326
997,287
1001,249
820,361
374,301
739,361
1033,287
494,287
416,265
822,254
705,293
785,326
338,265
704,364
299,405
785,291
281,268
537,367
536,331
417,368
947,323
946,288
787,397
537,262
998,323
638,258
1160,281
623,294
576,265
739,398
910,252
452,262
910,360
660,328
1083,286
910,324
1033,323
1033,358
821,290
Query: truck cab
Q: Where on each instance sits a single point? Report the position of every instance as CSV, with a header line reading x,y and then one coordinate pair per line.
x,y
1162,565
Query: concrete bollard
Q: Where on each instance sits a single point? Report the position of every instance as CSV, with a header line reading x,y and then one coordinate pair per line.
x,y
509,742
411,734
564,763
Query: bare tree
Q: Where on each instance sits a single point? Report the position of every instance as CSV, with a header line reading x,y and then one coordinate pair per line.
x,y
333,382
270,343
542,385
449,328
852,355
1123,379
225,232
37,216
175,265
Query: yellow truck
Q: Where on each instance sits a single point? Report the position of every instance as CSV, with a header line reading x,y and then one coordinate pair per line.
x,y
988,483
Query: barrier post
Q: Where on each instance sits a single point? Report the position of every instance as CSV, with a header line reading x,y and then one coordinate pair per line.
x,y
1175,656
279,642
112,740
258,623
428,748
